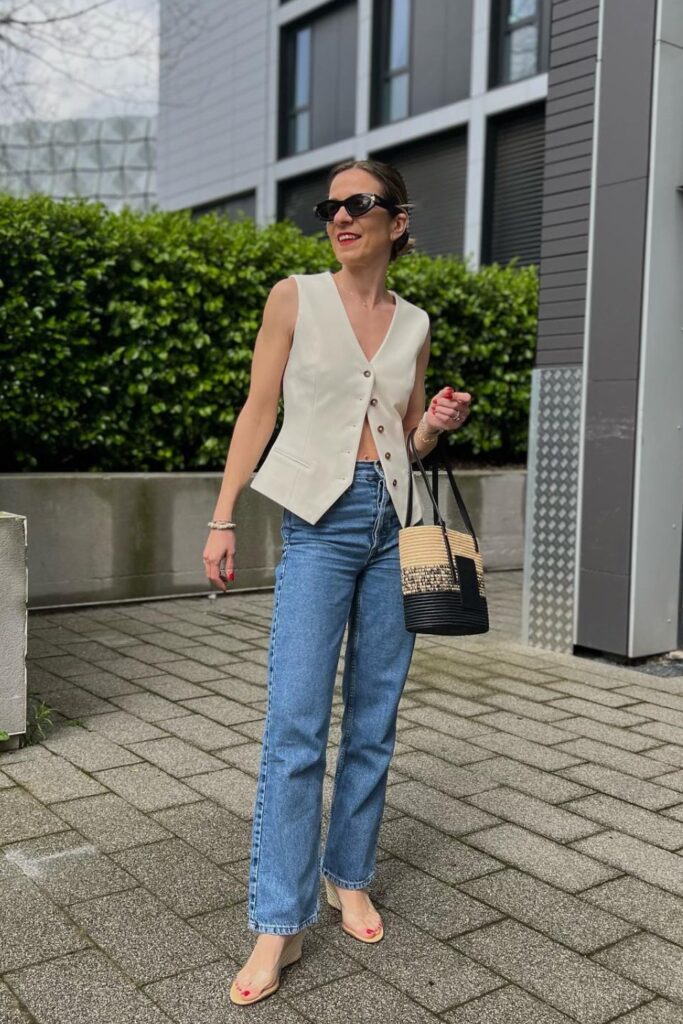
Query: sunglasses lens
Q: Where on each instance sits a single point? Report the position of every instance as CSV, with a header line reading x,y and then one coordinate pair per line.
x,y
359,204
327,209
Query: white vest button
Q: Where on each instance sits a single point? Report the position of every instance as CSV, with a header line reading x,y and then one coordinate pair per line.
x,y
373,401
366,373
380,428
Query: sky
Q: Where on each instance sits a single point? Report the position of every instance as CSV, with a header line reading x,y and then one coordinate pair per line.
x,y
98,59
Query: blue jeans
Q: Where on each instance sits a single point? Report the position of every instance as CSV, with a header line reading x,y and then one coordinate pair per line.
x,y
344,568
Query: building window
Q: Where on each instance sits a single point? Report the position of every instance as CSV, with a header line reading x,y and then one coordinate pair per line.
x,y
393,60
298,90
520,33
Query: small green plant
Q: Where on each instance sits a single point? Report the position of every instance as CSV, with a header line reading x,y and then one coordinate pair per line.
x,y
37,717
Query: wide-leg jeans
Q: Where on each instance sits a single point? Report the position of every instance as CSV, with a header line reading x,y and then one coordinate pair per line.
x,y
342,569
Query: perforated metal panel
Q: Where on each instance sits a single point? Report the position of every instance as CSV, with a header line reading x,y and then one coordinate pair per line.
x,y
551,518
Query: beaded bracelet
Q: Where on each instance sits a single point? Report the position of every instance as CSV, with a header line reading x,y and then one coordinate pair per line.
x,y
221,524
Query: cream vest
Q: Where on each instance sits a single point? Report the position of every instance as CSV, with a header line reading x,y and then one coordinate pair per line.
x,y
328,387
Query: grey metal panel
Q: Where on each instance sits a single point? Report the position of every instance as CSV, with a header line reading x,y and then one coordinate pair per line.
x,y
562,308
438,220
333,98
572,21
617,277
583,34
440,59
564,55
625,90
232,206
551,507
602,610
569,72
567,8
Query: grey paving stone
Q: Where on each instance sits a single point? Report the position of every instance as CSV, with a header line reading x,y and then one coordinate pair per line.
x,y
541,857
65,665
146,787
24,817
109,822
83,988
653,696
247,757
167,640
578,707
570,983
433,852
70,700
650,961
174,688
519,688
436,808
659,867
151,654
669,754
176,757
430,972
230,788
200,995
662,731
227,644
11,1012
452,748
592,693
659,1011
212,830
240,690
432,905
5,781
149,706
130,668
143,936
675,812
616,736
87,750
539,732
222,710
340,999
544,785
562,917
103,684
621,760
32,927
534,754
437,772
441,721
636,821
122,728
673,780
527,708
645,905
593,673
67,868
52,778
508,1005
202,732
653,711
450,702
536,815
178,874
625,787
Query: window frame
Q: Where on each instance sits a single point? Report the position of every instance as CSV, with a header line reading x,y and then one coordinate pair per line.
x,y
382,73
499,36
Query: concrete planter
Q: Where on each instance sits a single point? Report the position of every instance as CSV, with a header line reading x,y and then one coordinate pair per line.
x,y
98,537
12,625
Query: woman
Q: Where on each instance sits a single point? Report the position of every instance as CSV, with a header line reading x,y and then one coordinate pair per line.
x,y
350,356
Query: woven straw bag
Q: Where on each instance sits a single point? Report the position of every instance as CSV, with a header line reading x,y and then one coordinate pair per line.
x,y
442,574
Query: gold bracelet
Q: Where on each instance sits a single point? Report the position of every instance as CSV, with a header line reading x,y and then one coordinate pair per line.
x,y
221,524
422,432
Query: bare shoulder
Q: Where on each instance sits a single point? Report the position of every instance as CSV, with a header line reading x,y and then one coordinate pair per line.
x,y
282,305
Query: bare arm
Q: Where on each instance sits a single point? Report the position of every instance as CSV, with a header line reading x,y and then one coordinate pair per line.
x,y
256,421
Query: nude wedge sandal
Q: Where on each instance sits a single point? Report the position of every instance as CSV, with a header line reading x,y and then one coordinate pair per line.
x,y
290,954
334,901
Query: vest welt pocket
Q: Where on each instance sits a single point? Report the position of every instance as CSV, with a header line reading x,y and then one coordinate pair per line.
x,y
289,455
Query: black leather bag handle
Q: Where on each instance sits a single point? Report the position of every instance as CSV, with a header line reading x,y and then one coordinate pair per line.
x,y
433,491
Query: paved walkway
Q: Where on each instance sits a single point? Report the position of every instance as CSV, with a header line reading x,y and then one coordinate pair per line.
x,y
530,869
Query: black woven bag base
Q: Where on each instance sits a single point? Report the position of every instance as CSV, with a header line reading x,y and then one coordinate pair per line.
x,y
442,612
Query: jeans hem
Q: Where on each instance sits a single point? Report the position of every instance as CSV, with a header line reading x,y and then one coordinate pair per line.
x,y
344,883
282,929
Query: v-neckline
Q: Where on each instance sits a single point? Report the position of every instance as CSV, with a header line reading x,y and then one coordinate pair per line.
x,y
353,334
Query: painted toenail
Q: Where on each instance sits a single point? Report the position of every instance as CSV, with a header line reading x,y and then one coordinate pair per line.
x,y
246,993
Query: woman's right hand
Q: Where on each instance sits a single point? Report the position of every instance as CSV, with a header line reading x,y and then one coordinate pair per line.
x,y
220,547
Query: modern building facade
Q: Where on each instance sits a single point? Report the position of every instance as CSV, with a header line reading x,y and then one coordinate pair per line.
x,y
543,130
261,102
112,159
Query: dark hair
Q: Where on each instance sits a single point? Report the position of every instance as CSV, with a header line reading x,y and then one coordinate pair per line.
x,y
393,188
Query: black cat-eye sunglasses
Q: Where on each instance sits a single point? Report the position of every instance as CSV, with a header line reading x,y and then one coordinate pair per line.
x,y
355,206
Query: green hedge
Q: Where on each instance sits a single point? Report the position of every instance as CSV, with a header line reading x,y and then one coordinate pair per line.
x,y
126,338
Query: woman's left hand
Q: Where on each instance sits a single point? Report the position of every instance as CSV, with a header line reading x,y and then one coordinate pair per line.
x,y
448,410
